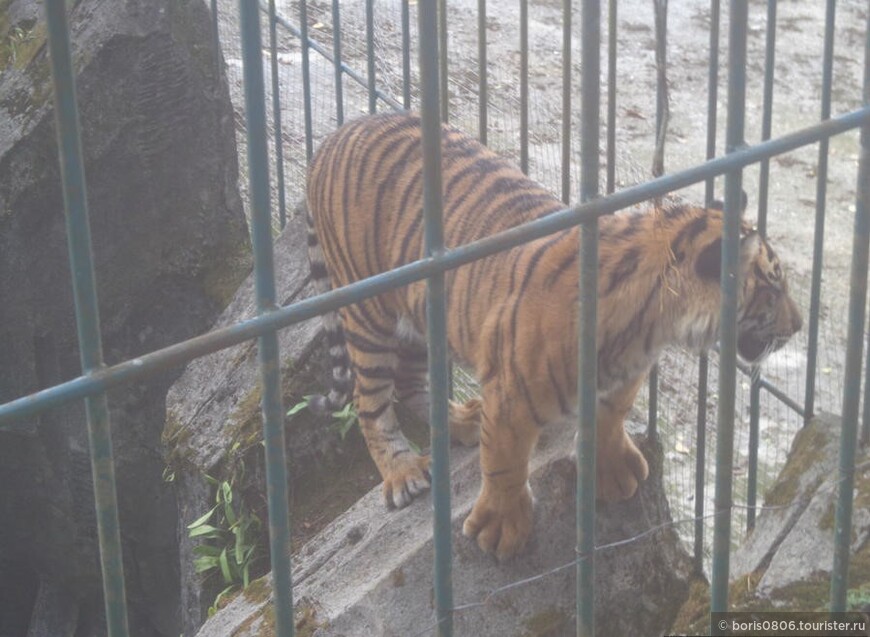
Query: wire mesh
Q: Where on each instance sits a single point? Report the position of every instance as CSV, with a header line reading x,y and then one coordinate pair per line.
x,y
791,176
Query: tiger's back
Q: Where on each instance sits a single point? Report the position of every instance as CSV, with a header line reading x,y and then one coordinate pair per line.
x,y
511,317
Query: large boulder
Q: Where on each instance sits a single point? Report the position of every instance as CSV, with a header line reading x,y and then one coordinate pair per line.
x,y
792,545
213,418
170,247
370,572
785,563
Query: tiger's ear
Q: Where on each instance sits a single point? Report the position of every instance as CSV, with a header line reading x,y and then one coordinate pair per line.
x,y
709,262
718,204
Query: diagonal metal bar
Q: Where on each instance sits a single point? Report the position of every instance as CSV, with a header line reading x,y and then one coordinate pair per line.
x,y
180,353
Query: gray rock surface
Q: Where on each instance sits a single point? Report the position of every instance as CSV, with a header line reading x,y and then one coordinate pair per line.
x,y
213,411
170,246
370,572
793,540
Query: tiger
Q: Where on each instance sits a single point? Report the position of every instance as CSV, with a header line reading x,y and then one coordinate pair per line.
x,y
511,317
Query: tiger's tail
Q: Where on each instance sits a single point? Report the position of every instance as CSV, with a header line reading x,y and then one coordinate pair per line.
x,y
342,378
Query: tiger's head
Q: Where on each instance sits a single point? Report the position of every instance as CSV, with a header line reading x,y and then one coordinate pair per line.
x,y
766,315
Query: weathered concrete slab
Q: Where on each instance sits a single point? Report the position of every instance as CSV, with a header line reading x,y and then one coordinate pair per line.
x,y
370,572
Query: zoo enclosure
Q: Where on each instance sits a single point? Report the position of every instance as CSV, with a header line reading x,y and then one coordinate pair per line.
x,y
434,76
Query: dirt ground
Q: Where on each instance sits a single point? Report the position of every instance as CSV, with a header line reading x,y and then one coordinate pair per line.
x,y
793,177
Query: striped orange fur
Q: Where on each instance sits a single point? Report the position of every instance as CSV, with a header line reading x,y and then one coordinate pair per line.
x,y
511,317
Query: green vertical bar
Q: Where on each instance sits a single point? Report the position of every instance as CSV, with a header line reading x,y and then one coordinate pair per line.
x,y
652,415
370,54
865,418
436,316
406,54
442,61
728,322
588,378
611,96
481,62
276,114
658,169
306,78
763,181
270,370
336,60
87,315
703,360
712,94
752,476
566,100
524,86
819,231
852,371
700,458
767,113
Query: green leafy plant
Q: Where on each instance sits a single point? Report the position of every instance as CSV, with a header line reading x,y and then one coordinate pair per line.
x,y
229,534
11,47
345,418
858,598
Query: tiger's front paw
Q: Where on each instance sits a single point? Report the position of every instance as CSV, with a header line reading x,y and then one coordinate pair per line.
x,y
501,521
620,469
407,477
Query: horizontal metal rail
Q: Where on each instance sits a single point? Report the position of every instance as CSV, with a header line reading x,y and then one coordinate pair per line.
x,y
180,353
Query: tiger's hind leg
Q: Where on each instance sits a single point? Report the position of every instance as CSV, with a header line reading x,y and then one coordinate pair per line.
x,y
412,390
375,360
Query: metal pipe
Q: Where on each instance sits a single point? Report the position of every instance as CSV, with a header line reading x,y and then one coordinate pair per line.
x,y
611,96
712,95
276,115
270,365
87,315
436,317
442,58
763,179
703,360
752,477
852,370
141,367
524,86
652,415
482,88
587,381
819,231
370,54
306,78
406,54
336,61
728,321
767,113
566,101
700,458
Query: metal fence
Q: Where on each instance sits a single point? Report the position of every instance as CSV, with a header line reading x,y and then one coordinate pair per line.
x,y
433,96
